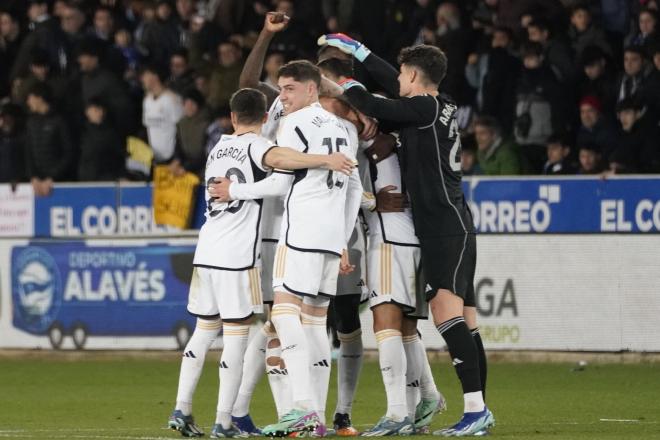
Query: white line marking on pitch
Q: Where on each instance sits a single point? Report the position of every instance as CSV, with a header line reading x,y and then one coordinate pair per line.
x,y
620,420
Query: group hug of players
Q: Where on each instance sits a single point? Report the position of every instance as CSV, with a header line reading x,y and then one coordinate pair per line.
x,y
284,193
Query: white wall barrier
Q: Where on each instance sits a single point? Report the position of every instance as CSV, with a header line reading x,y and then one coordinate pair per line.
x,y
537,292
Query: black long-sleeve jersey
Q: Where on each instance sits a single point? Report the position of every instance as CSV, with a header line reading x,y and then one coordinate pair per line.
x,y
430,151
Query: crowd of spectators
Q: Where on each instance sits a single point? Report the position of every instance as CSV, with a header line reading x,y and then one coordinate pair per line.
x,y
543,86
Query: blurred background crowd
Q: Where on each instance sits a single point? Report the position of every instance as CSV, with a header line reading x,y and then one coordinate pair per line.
x,y
543,86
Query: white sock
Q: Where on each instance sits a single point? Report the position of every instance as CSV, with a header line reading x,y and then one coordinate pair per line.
x,y
393,368
295,352
473,402
193,361
235,339
413,373
253,369
349,365
320,357
278,376
427,386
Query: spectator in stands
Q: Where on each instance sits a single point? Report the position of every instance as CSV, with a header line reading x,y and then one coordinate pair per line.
x,y
598,79
494,76
12,162
652,87
638,143
224,78
594,128
181,77
72,30
102,150
584,33
161,111
556,53
559,162
162,36
272,65
455,40
203,40
39,73
10,41
539,107
49,152
220,125
635,72
99,83
295,41
497,157
191,132
590,159
469,163
132,57
103,24
645,34
185,10
43,33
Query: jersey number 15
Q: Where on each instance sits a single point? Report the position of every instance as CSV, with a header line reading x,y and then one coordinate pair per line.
x,y
339,142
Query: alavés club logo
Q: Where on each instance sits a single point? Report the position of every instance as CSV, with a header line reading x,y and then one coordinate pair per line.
x,y
36,289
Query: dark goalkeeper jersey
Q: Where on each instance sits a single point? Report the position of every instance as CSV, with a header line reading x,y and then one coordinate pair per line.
x,y
430,151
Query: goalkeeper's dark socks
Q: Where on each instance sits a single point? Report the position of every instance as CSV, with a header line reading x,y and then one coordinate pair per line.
x,y
463,352
483,364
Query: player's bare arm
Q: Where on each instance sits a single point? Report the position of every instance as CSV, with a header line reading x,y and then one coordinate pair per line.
x,y
274,23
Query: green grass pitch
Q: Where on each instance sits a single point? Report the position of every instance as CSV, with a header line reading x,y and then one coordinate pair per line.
x,y
119,397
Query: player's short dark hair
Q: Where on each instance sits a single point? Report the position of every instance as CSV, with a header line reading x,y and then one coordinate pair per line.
x,y
249,105
321,53
336,66
429,59
300,70
488,122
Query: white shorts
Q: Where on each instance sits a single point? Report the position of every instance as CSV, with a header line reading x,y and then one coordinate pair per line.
x,y
305,273
267,259
233,295
354,283
394,276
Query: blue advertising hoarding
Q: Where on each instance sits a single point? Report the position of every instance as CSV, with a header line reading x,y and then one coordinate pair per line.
x,y
72,288
500,205
565,205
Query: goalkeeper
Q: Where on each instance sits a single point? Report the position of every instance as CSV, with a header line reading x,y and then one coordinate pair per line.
x,y
431,173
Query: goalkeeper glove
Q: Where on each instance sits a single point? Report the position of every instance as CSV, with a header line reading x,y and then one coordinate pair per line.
x,y
346,44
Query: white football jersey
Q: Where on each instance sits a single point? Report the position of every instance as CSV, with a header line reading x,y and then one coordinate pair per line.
x,y
388,227
230,237
315,207
273,206
275,115
160,116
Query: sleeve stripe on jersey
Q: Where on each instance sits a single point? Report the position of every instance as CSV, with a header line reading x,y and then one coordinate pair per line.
x,y
302,138
279,171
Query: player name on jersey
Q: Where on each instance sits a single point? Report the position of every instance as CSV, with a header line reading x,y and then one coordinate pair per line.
x,y
229,239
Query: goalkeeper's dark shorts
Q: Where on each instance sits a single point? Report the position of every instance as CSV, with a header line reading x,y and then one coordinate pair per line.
x,y
449,263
